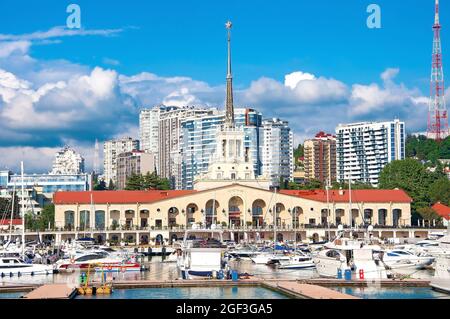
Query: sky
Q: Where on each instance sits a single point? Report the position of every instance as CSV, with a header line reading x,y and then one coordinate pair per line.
x,y
313,63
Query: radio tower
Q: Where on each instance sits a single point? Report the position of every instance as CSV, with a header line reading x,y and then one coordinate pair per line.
x,y
437,116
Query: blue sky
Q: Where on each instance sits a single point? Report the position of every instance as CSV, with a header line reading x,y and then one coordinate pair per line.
x,y
171,39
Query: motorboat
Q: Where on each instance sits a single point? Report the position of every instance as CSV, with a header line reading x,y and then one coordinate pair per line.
x,y
244,253
403,262
98,262
203,257
348,254
298,261
441,279
13,266
175,256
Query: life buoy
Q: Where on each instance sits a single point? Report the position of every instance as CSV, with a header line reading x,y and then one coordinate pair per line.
x,y
72,260
122,269
110,267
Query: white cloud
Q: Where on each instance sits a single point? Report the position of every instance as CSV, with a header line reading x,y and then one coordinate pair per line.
x,y
47,104
110,61
291,80
58,32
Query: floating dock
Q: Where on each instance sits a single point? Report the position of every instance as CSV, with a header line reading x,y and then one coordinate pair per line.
x,y
52,292
306,291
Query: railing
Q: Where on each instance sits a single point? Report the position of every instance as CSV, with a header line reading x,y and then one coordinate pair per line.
x,y
180,228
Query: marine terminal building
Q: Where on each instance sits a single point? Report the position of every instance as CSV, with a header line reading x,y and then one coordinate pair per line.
x,y
236,207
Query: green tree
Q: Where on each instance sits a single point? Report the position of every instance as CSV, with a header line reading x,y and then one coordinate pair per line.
x,y
5,207
43,221
134,183
428,214
100,186
425,149
440,191
411,176
149,181
47,217
299,152
111,185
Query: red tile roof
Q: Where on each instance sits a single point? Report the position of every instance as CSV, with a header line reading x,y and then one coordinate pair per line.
x,y
367,196
116,197
442,210
7,221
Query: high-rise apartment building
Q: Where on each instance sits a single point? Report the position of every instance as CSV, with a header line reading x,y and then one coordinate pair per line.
x,y
278,151
67,162
149,129
199,142
111,150
320,158
169,156
133,163
364,149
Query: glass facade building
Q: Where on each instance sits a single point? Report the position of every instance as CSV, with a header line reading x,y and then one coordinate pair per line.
x,y
198,142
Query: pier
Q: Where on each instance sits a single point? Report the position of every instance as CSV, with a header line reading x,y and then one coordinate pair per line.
x,y
56,291
306,291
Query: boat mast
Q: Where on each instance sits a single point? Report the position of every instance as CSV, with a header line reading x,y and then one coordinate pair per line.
x,y
23,209
275,220
12,211
328,208
350,203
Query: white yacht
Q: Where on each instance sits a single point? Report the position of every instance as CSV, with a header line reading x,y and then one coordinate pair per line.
x,y
349,254
404,262
297,261
13,266
441,279
203,257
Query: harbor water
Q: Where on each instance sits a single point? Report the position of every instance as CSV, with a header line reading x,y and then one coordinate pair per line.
x,y
160,270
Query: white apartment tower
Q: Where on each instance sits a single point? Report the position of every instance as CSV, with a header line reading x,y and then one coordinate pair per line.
x,y
67,162
149,129
111,150
278,151
170,134
364,149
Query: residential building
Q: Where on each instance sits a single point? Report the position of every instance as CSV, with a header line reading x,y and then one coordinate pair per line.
x,y
364,149
320,158
111,150
169,153
133,163
39,188
199,142
149,129
67,162
278,151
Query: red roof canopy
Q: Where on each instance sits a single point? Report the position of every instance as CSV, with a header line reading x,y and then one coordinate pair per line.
x,y
7,221
121,197
442,210
366,195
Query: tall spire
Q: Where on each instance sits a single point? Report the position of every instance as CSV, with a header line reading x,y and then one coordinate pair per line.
x,y
229,117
